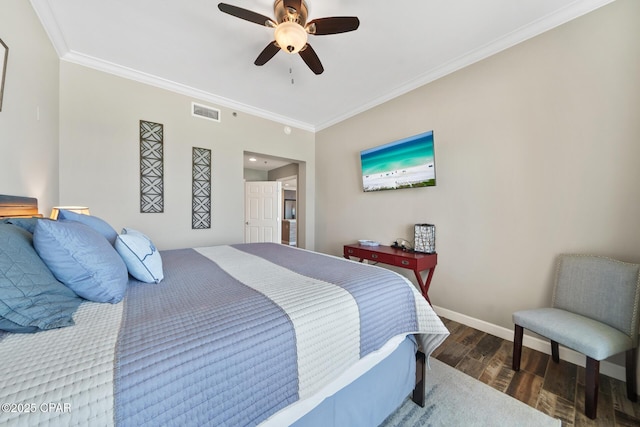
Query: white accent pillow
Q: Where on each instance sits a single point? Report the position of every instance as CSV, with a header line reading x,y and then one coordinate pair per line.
x,y
140,255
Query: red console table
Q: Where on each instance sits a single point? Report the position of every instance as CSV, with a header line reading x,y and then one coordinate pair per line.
x,y
397,257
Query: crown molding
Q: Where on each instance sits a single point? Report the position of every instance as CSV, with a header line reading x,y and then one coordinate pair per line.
x,y
43,10
562,16
52,28
162,83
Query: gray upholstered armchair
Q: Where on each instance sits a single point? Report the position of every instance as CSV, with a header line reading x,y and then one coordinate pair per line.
x,y
595,312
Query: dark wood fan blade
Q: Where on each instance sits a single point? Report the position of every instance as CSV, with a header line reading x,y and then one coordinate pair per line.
x,y
268,53
245,14
333,25
310,58
293,4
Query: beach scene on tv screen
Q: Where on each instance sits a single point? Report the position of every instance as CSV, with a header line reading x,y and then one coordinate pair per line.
x,y
406,163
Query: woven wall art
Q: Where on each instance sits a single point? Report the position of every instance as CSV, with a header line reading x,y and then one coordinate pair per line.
x,y
151,167
201,189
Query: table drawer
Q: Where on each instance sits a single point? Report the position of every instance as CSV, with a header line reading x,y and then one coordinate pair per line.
x,y
405,262
352,252
377,257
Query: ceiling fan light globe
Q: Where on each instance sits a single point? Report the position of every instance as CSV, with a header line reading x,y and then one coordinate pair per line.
x,y
291,37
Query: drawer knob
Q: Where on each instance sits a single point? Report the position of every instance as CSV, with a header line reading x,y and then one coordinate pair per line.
x,y
350,251
405,262
374,256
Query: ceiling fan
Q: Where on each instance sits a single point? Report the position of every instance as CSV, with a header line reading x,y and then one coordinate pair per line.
x,y
291,29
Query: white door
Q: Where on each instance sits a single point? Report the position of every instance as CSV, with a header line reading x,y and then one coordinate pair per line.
x,y
262,212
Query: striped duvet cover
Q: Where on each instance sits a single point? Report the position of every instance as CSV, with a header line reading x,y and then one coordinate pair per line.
x,y
233,335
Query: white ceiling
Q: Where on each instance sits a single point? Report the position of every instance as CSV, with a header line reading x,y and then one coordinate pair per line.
x,y
263,162
190,47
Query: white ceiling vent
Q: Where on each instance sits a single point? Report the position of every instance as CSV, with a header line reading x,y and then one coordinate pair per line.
x,y
205,112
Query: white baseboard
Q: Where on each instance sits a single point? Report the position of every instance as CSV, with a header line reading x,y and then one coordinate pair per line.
x,y
607,368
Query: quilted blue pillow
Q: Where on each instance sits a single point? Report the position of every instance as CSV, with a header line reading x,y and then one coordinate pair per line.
x,y
98,224
82,259
140,255
28,224
31,298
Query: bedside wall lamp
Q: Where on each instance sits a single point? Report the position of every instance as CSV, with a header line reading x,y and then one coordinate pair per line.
x,y
77,209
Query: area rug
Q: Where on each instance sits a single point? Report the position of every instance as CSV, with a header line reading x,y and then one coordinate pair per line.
x,y
456,399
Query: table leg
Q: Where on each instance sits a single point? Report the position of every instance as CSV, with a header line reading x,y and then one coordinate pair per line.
x,y
424,285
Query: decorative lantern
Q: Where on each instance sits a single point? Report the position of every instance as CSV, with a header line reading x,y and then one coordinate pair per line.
x,y
425,238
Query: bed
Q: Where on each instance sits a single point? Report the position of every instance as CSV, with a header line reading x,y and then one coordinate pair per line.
x,y
233,335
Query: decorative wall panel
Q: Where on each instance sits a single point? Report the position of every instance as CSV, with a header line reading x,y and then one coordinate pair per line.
x,y
201,189
151,167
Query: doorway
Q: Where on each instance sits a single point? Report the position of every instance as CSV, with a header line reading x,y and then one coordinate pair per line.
x,y
262,167
290,210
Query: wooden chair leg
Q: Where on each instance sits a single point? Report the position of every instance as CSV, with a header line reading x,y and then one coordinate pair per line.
x,y
517,347
592,379
630,364
555,352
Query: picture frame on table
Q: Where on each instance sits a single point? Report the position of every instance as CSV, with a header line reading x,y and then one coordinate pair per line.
x,y
4,54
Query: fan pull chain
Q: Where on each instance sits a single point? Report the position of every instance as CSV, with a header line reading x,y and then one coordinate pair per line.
x,y
291,72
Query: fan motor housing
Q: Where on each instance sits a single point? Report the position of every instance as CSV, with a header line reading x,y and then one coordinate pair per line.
x,y
282,14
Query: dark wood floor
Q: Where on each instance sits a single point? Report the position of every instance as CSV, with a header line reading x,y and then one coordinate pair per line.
x,y
555,389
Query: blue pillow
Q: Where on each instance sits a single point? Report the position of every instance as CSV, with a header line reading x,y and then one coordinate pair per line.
x,y
28,224
31,298
9,326
82,259
100,225
140,255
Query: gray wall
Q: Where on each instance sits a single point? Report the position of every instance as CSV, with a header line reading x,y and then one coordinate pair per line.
x,y
536,152
29,116
283,172
255,175
99,157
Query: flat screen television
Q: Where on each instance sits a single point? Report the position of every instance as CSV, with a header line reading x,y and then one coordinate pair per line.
x,y
406,163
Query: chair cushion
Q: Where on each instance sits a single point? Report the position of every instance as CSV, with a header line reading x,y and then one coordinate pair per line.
x,y
585,282
587,336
